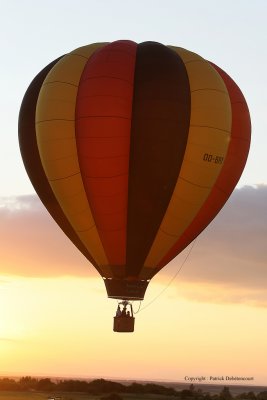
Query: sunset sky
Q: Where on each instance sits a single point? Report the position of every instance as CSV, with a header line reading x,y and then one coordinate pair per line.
x,y
55,317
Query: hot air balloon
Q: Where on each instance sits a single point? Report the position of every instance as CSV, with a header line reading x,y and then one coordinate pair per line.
x,y
133,149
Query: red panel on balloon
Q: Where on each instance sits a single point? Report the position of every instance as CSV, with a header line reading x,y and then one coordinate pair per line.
x,y
103,127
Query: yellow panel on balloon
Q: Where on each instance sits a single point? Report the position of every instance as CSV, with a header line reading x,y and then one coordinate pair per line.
x,y
87,51
57,147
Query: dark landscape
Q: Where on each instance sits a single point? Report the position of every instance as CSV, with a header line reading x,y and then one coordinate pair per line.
x,y
30,388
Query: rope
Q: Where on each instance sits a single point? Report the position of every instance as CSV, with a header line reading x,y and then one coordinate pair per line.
x,y
170,282
136,312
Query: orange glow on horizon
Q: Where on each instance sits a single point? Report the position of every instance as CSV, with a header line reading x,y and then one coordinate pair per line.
x,y
67,331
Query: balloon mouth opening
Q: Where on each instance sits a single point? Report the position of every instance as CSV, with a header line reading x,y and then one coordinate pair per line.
x,y
126,290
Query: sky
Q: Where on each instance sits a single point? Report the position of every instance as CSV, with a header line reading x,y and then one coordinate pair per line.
x,y
55,318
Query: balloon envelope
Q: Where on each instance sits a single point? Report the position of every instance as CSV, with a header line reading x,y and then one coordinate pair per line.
x,y
133,149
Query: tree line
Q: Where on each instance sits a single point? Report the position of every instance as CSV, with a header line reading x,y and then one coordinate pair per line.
x,y
102,386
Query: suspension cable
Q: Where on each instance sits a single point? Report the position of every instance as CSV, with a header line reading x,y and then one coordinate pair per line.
x,y
169,283
136,312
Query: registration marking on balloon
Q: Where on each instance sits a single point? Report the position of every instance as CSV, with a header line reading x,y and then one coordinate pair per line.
x,y
213,158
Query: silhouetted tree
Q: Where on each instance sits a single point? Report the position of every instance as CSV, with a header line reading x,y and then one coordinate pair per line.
x,y
153,388
186,393
135,388
27,383
206,396
103,386
112,396
73,386
249,395
46,385
225,394
262,395
8,384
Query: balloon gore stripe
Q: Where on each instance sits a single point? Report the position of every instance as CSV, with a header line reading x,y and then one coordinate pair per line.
x,y
103,127
160,123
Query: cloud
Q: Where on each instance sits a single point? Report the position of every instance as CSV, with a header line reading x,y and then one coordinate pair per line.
x,y
32,244
228,262
3,282
219,293
4,339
